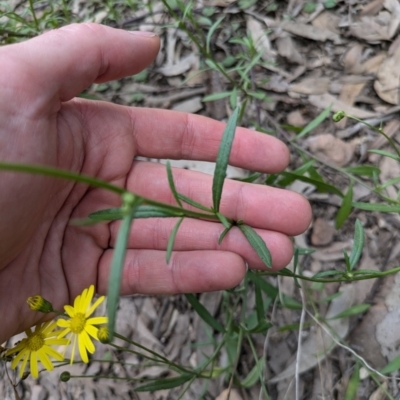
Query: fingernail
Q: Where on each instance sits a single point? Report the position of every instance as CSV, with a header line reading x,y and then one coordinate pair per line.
x,y
143,33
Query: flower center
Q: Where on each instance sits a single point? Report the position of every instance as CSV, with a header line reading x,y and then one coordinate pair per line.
x,y
35,342
78,323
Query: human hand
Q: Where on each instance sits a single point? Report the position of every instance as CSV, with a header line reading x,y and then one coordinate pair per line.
x,y
42,123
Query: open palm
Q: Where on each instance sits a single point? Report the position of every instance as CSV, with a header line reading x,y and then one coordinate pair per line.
x,y
42,123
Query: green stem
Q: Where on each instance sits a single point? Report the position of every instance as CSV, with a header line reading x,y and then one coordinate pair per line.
x,y
34,15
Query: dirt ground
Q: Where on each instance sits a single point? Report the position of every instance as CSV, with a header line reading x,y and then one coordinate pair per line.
x,y
346,56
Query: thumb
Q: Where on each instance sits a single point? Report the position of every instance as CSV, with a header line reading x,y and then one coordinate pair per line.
x,y
60,64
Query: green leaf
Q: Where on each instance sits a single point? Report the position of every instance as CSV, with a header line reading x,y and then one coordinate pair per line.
x,y
376,207
314,123
223,158
223,234
204,314
259,305
251,178
354,382
171,239
358,309
272,291
172,184
261,327
254,374
363,170
385,154
193,203
216,96
211,32
358,245
393,366
324,274
258,244
345,208
320,186
224,220
164,383
117,265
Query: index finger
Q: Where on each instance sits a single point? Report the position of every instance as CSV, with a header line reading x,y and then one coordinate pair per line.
x,y
177,135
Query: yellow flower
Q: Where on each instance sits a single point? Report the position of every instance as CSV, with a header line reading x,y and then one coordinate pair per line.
x,y
36,347
80,326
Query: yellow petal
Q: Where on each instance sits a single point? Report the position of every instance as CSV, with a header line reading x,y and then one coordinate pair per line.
x,y
48,328
18,358
87,300
63,333
63,323
23,365
89,312
34,365
82,349
71,311
53,353
73,350
56,342
88,342
96,321
44,359
92,331
77,301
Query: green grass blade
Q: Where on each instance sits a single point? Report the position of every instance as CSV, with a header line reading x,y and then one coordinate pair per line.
x,y
223,158
254,375
363,170
223,234
385,154
354,383
164,383
117,266
358,309
216,96
314,123
60,173
171,239
345,209
172,184
204,314
211,32
358,245
257,243
393,366
259,306
193,203
224,221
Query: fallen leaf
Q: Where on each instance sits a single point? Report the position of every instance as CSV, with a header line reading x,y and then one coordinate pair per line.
x,y
233,395
258,32
352,59
322,232
288,50
182,66
311,85
327,20
332,149
310,32
192,105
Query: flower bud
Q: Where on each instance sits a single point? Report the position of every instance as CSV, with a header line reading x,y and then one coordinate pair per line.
x,y
38,303
65,376
104,335
338,116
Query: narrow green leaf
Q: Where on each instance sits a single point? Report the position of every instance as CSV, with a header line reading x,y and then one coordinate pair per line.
x,y
321,186
223,158
363,170
393,366
216,96
385,154
211,32
324,274
171,239
193,203
272,291
345,209
314,123
358,245
223,234
376,207
117,265
259,305
261,327
258,244
233,98
172,184
224,220
203,313
358,309
251,178
164,383
354,382
254,374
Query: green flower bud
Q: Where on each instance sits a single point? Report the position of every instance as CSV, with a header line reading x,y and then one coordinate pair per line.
x,y
338,116
38,303
65,376
103,335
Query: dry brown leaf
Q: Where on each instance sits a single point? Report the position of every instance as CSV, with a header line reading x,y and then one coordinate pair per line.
x,y
288,50
182,66
372,8
332,149
387,78
380,393
326,99
327,20
192,105
389,169
310,32
296,118
371,66
310,85
352,59
332,253
258,32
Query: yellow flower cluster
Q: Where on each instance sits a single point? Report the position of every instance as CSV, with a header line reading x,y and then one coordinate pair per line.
x,y
78,327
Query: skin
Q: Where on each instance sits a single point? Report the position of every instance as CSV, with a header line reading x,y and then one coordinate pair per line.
x,y
41,122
